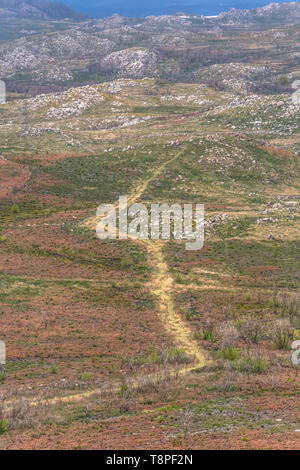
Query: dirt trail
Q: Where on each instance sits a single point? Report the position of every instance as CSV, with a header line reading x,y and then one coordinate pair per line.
x,y
162,286
137,193
162,282
91,223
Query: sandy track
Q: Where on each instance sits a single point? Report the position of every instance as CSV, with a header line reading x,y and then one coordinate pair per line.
x,y
162,285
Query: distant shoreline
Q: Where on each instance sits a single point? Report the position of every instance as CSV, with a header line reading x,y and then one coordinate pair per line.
x,y
134,9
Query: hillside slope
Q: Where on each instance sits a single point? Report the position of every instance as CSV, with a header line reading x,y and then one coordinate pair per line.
x,y
38,10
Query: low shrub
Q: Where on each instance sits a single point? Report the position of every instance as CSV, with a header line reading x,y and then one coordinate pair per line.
x,y
252,364
228,353
3,426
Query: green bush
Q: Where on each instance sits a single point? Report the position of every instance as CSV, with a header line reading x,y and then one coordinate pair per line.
x,y
208,335
15,209
281,339
154,356
126,263
177,355
86,376
252,365
179,278
3,426
188,314
228,353
124,391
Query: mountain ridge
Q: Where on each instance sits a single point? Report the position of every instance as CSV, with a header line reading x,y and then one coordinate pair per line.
x,y
49,11
37,10
274,11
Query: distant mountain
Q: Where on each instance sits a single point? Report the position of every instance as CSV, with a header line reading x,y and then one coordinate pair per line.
x,y
181,48
37,10
284,13
140,9
48,10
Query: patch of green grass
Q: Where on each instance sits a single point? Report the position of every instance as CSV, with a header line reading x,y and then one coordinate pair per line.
x,y
15,290
103,178
86,376
34,209
229,354
3,426
251,365
163,109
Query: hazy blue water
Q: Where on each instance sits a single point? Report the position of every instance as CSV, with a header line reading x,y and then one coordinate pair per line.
x,y
102,8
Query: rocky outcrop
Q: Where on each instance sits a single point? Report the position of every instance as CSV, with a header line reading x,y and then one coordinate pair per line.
x,y
132,63
285,12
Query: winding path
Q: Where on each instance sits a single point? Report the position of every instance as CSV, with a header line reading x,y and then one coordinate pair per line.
x,y
162,285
